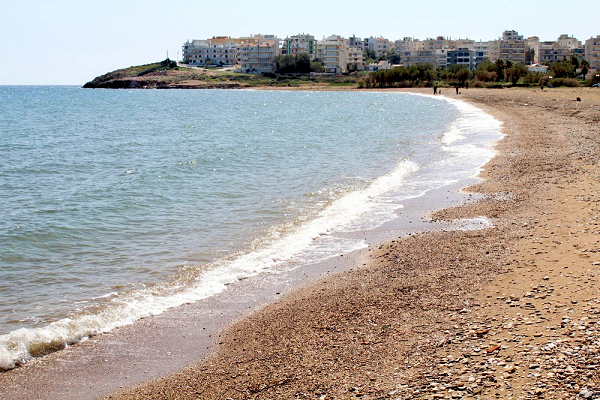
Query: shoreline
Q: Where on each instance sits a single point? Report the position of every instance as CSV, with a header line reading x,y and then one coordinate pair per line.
x,y
389,335
153,346
445,314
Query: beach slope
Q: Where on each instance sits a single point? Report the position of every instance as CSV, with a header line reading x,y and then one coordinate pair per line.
x,y
510,310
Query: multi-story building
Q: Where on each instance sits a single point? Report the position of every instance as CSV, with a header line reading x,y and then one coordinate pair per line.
x,y
463,44
301,43
404,45
437,58
462,56
549,52
354,41
569,42
592,52
382,46
370,43
257,53
216,51
482,49
355,57
439,43
334,53
511,47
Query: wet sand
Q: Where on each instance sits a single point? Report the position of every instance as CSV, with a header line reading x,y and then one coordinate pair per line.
x,y
508,311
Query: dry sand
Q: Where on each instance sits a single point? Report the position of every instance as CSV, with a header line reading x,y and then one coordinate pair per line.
x,y
506,312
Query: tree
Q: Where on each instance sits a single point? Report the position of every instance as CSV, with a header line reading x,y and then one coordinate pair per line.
x,y
392,57
500,69
486,72
575,61
369,54
585,64
515,72
293,64
563,69
462,75
529,56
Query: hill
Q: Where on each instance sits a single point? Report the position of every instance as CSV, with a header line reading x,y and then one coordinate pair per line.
x,y
168,74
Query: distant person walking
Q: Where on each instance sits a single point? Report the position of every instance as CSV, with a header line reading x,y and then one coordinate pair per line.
x,y
435,90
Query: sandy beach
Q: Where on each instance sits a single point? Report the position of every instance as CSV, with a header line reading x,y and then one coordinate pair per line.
x,y
510,311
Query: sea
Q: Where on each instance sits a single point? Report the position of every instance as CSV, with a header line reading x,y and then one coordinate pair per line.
x,y
117,205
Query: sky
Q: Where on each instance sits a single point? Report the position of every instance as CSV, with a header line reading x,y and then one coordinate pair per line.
x,y
68,42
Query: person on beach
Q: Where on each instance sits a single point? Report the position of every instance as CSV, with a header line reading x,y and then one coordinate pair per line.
x,y
457,90
435,90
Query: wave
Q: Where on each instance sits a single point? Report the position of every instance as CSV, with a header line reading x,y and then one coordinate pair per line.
x,y
19,346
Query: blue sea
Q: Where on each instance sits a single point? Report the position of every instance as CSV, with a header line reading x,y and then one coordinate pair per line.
x,y
120,204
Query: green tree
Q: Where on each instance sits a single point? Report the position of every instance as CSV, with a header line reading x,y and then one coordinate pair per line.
x,y
463,74
392,57
563,69
486,72
585,64
500,65
293,64
575,61
515,72
369,54
529,56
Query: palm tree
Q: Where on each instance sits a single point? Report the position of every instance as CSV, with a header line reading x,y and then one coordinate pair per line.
x,y
584,67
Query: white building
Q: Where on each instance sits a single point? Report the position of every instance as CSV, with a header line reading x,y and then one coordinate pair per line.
x,y
568,42
592,52
511,47
299,44
257,53
204,52
334,51
437,58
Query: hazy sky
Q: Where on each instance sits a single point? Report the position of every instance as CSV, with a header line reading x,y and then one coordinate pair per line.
x,y
71,42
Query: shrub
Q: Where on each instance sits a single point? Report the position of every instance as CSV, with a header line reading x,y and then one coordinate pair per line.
x,y
567,82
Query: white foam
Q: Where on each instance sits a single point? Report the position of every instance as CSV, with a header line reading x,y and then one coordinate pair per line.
x,y
16,346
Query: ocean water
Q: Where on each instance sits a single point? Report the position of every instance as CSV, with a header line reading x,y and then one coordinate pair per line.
x,y
120,204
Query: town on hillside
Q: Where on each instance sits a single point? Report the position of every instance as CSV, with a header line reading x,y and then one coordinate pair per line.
x,y
265,54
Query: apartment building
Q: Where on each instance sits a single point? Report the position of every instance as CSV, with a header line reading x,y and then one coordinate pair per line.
x,y
439,43
257,53
548,52
334,51
382,46
463,56
220,51
569,42
482,49
354,41
511,47
592,52
404,45
463,44
437,58
301,43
